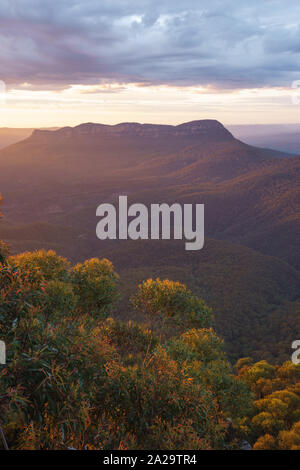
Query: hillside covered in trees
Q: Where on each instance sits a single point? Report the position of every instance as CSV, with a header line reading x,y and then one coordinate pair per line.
x,y
248,270
179,350
77,378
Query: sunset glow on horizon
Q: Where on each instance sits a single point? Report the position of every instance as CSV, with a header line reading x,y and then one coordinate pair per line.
x,y
113,103
149,61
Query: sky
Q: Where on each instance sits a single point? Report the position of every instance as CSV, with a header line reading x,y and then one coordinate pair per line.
x,y
162,61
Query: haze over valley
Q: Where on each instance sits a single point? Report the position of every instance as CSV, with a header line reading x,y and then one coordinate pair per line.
x,y
248,270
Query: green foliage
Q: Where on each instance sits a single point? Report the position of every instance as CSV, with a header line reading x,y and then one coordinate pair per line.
x,y
145,400
132,341
76,379
59,299
20,292
95,284
245,289
272,422
168,299
200,351
47,263
290,440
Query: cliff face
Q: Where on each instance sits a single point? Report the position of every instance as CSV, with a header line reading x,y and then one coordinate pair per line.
x,y
205,129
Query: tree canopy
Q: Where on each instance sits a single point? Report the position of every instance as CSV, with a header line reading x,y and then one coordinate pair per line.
x,y
76,377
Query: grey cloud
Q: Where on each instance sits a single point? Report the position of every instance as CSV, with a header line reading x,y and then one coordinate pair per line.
x,y
226,44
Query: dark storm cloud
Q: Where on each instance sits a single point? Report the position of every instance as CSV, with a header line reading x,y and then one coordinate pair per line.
x,y
226,44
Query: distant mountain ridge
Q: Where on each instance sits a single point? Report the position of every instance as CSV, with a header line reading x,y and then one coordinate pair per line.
x,y
203,150
53,181
52,165
9,136
208,128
